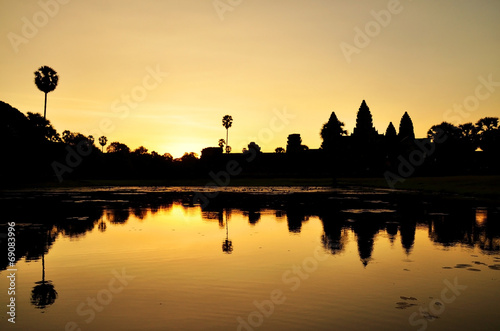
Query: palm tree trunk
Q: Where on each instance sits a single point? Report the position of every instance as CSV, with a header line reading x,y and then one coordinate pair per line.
x,y
43,267
227,139
45,106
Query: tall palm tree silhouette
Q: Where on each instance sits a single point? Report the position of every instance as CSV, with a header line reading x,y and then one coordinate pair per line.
x,y
227,122
46,80
103,141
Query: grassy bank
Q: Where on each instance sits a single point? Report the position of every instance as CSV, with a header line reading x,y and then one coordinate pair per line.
x,y
482,186
236,181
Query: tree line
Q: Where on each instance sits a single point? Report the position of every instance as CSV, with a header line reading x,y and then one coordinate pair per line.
x,y
34,150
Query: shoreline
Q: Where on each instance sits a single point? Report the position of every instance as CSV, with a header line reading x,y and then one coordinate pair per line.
x,y
482,187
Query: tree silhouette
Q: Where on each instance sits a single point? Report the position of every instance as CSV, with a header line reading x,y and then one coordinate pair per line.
x,y
406,132
445,129
46,80
254,146
227,122
41,129
222,142
74,138
67,137
331,132
487,124
103,141
116,147
448,150
279,150
141,150
189,157
489,134
469,137
167,157
364,123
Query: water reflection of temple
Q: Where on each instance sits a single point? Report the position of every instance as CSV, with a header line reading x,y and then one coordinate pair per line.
x,y
479,227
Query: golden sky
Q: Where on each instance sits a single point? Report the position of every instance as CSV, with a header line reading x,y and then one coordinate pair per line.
x,y
163,73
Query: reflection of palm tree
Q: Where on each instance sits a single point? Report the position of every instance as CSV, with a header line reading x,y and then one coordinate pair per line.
x,y
46,80
43,294
102,225
227,245
227,122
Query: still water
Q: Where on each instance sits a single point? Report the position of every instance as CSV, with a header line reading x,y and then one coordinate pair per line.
x,y
140,259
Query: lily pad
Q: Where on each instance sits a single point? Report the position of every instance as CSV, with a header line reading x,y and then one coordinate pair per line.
x,y
463,265
404,305
408,298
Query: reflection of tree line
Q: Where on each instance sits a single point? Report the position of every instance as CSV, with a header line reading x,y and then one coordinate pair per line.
x,y
38,226
453,229
33,241
470,227
478,227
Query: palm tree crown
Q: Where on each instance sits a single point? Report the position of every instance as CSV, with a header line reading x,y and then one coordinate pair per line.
x,y
227,122
46,80
103,141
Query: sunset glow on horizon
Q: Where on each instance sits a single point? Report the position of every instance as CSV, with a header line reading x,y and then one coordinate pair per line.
x,y
163,74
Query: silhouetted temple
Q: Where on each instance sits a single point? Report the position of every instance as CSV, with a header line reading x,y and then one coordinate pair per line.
x,y
363,153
